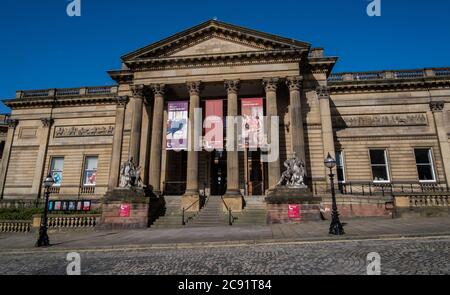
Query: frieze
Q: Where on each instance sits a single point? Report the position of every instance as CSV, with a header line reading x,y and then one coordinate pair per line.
x,y
83,131
412,119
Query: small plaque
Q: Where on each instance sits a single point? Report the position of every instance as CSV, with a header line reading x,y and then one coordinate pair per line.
x,y
125,210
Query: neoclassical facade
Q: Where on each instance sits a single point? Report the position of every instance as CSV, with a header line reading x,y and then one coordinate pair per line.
x,y
388,127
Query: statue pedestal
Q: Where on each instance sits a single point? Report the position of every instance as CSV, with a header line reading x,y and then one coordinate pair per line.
x,y
292,205
125,208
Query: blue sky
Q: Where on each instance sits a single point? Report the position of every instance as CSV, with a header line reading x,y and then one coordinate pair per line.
x,y
41,47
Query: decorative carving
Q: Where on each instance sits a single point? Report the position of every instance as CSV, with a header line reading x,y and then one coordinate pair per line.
x,y
28,132
437,106
294,83
130,175
414,119
294,176
194,87
12,123
270,84
82,131
232,86
158,89
47,122
122,101
323,92
138,90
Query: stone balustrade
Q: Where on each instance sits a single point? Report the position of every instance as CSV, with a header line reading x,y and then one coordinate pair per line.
x,y
63,92
15,226
388,75
73,221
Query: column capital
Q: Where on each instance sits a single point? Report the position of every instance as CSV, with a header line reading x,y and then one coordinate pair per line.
x,y
47,122
194,87
12,123
270,84
437,106
158,89
122,101
138,90
323,92
294,83
232,86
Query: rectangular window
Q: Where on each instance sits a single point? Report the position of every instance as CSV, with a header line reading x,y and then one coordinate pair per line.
x,y
56,170
379,165
340,166
424,163
90,171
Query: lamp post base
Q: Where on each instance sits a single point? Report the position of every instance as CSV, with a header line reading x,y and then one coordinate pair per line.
x,y
336,227
43,240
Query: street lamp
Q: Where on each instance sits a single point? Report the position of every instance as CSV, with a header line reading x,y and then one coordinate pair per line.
x,y
335,226
43,237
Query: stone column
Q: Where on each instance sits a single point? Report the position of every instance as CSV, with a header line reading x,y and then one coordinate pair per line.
x,y
41,156
270,86
12,124
437,108
117,143
296,117
156,142
232,87
136,123
327,127
192,154
144,157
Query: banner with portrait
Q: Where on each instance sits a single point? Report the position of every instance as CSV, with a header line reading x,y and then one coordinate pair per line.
x,y
213,125
177,120
252,112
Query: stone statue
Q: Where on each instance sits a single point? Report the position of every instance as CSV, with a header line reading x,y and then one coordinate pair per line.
x,y
295,173
130,175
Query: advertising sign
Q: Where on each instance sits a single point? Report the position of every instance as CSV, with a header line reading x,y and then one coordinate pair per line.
x,y
294,211
213,125
252,112
125,210
177,120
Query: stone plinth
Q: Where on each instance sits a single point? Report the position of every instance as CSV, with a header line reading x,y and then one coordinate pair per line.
x,y
191,203
279,199
233,202
139,201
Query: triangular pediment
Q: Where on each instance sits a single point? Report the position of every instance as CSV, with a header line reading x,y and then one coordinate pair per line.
x,y
214,38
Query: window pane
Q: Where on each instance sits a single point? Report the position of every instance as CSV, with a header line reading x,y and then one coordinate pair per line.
x,y
425,172
377,157
379,173
339,160
91,163
57,164
57,177
422,156
340,174
90,177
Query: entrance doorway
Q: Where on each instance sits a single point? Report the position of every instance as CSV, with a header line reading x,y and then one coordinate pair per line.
x,y
255,173
218,173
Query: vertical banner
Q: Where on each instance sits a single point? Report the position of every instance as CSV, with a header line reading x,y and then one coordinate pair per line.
x,y
294,211
213,124
252,113
177,120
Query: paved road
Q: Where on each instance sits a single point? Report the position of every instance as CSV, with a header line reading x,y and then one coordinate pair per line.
x,y
398,256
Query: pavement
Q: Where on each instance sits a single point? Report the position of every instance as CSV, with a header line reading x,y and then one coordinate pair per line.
x,y
356,229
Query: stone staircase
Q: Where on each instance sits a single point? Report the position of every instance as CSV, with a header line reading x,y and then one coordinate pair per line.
x,y
254,212
172,214
211,215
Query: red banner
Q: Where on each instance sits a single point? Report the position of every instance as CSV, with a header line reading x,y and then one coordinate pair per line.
x,y
294,211
252,112
213,125
125,210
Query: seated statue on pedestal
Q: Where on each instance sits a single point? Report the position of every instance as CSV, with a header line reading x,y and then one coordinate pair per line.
x,y
130,175
295,173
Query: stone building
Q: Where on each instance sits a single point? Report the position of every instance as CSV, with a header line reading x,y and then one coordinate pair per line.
x,y
387,129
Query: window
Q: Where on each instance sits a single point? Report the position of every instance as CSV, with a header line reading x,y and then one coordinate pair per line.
x,y
90,171
424,163
340,166
379,165
56,170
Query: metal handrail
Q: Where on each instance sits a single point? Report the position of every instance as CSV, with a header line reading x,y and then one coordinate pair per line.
x,y
231,218
183,222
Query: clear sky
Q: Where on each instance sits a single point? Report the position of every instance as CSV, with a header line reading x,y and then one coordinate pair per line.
x,y
41,47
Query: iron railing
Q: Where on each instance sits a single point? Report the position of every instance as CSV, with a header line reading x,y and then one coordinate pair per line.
x,y
231,218
183,218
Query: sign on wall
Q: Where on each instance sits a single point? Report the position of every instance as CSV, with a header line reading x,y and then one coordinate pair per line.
x,y
125,210
294,211
252,113
74,206
213,125
177,120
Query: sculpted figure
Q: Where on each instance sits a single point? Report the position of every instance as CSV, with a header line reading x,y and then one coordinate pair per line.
x,y
130,175
294,175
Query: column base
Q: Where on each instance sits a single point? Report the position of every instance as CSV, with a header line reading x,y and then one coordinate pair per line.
x,y
234,201
191,202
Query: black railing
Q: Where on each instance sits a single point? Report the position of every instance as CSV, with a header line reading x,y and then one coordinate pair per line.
x,y
231,218
183,219
380,189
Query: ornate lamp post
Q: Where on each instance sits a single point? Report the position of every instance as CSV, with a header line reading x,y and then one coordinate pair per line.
x,y
335,226
43,237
